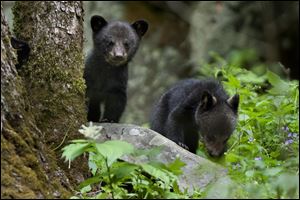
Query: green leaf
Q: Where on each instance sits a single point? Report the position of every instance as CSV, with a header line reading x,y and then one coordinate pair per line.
x,y
250,77
156,172
272,171
71,151
176,166
250,173
103,195
259,164
90,181
231,157
234,82
280,87
95,162
176,187
172,195
114,149
86,189
243,117
122,170
275,154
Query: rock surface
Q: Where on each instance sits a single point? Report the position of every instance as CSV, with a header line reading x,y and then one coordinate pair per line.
x,y
198,171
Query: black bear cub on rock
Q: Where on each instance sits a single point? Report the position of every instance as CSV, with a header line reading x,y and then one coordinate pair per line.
x,y
106,71
196,106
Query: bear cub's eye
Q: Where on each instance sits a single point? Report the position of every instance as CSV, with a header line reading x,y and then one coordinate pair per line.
x,y
126,45
211,138
110,43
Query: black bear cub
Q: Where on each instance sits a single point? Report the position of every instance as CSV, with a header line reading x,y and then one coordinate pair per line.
x,y
196,106
23,51
106,71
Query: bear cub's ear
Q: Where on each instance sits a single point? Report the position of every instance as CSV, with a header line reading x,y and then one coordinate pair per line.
x,y
233,102
17,44
97,23
140,26
207,101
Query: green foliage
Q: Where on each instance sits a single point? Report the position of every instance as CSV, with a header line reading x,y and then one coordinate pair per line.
x,y
262,157
112,178
263,153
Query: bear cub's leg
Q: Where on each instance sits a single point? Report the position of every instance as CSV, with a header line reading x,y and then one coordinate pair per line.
x,y
115,104
94,111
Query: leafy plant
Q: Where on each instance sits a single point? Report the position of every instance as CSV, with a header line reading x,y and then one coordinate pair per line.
x,y
264,150
113,178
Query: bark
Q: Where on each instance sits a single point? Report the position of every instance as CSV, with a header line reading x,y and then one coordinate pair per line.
x,y
42,105
53,75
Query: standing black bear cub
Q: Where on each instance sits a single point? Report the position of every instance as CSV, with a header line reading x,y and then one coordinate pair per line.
x,y
106,71
193,106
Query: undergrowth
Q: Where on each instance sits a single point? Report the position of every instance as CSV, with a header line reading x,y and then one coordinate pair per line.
x,y
262,157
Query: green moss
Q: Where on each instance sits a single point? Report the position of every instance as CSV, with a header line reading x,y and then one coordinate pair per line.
x,y
54,87
6,179
54,91
19,143
16,164
6,39
19,28
14,193
12,168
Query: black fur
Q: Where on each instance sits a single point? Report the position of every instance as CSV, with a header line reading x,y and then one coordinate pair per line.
x,y
196,106
106,71
23,51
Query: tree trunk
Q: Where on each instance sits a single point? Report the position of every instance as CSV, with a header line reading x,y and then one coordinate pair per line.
x,y
54,73
42,104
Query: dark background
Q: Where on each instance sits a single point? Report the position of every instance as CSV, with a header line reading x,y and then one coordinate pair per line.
x,y
183,34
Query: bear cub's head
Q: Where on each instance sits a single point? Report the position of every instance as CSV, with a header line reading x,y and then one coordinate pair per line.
x,y
216,120
117,41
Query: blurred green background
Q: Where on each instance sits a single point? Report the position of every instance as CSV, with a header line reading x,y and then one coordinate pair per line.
x,y
185,35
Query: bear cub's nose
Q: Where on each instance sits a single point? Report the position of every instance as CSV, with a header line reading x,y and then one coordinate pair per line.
x,y
119,55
